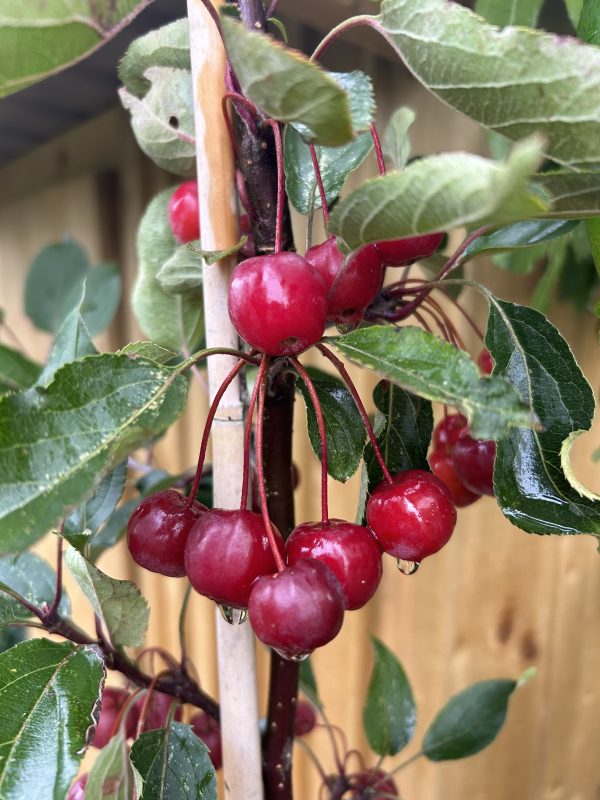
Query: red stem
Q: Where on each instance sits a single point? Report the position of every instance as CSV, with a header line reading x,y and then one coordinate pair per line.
x,y
248,433
361,409
353,22
321,425
317,168
378,150
280,182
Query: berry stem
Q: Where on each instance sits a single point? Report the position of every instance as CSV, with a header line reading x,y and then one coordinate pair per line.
x,y
322,434
146,706
248,433
339,365
182,637
378,149
280,182
59,573
319,179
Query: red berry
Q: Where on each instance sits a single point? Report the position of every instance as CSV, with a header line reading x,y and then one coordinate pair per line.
x,y
374,784
306,718
112,701
184,213
298,609
442,467
158,529
485,361
413,516
447,431
156,715
353,283
473,460
207,729
401,252
278,303
227,551
77,790
350,551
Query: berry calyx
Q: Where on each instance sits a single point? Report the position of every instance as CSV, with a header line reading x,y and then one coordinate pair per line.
x,y
298,609
227,550
207,729
373,784
402,252
184,213
448,430
156,716
77,790
485,362
412,517
112,702
473,460
350,551
158,530
442,467
306,718
278,303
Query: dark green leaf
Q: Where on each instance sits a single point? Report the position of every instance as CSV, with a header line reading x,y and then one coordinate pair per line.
x,y
72,342
32,579
111,776
578,281
59,441
396,144
16,370
543,293
593,230
48,692
390,714
168,46
570,194
95,511
469,721
509,12
9,637
173,764
588,28
182,272
149,350
404,424
435,370
534,483
112,531
343,424
335,163
101,298
528,233
308,683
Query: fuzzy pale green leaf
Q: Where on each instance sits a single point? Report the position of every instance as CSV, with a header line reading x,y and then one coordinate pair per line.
x,y
396,142
168,46
182,272
570,194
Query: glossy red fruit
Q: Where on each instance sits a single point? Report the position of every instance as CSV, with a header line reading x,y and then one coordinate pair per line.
x,y
350,551
374,784
485,361
473,460
77,790
298,609
447,431
412,517
278,303
442,467
184,213
353,283
112,702
207,729
156,715
227,550
306,718
158,529
401,252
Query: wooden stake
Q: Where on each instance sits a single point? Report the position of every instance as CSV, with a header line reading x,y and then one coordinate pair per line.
x,y
218,225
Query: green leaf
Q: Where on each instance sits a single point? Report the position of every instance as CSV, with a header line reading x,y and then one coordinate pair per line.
x,y
59,441
51,690
161,315
335,163
533,480
163,120
16,370
396,144
32,579
359,91
173,764
148,350
111,776
574,11
112,531
593,231
516,81
588,28
119,603
287,87
469,721
390,714
182,272
510,12
570,194
72,342
439,193
543,293
425,365
168,46
528,233
39,39
101,298
308,684
9,637
403,425
344,429
95,511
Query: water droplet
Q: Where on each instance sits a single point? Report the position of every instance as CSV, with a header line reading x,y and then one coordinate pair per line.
x,y
407,567
288,657
234,616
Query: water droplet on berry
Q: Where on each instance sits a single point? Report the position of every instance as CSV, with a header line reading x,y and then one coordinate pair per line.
x,y
288,657
234,616
407,567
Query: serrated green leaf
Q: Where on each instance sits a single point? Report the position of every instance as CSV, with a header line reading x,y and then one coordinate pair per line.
x,y
287,87
58,441
32,579
163,120
533,481
390,714
72,342
111,776
95,511
403,425
588,28
435,370
515,81
439,193
16,370
335,163
593,231
182,272
510,12
469,722
528,233
168,46
119,603
396,144
148,350
344,429
49,692
161,315
173,764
